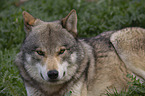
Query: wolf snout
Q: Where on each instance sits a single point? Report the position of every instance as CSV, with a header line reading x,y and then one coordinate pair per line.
x,y
52,74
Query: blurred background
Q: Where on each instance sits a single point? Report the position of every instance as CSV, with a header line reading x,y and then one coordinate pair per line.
x,y
94,17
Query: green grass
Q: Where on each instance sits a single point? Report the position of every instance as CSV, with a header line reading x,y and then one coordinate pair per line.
x,y
136,88
93,18
10,82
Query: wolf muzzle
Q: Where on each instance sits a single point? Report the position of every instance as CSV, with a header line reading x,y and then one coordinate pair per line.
x,y
52,74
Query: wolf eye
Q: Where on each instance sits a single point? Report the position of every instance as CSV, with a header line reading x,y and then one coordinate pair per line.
x,y
40,53
61,51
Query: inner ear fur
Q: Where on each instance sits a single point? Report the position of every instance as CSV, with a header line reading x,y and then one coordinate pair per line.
x,y
70,23
28,21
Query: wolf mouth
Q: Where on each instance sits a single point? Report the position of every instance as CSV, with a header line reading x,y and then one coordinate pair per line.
x,y
53,81
50,80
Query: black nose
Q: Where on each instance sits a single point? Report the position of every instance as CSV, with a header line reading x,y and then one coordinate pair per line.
x,y
52,74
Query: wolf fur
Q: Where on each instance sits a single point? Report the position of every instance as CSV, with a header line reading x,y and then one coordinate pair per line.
x,y
86,67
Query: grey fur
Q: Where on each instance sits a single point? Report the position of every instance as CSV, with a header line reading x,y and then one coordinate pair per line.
x,y
97,65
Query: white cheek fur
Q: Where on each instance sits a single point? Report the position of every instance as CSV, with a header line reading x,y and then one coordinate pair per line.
x,y
73,57
28,58
42,70
62,68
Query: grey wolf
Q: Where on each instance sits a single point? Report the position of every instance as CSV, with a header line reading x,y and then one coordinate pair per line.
x,y
53,61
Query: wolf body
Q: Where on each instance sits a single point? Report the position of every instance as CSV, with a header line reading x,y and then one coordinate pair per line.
x,y
53,61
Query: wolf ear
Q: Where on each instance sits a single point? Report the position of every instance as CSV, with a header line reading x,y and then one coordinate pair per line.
x,y
70,23
29,21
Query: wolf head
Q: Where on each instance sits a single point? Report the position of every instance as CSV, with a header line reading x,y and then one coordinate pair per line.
x,y
51,52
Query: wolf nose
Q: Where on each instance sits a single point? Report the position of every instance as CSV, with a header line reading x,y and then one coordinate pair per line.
x,y
52,74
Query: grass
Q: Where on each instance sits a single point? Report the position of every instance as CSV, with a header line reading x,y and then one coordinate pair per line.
x,y
136,88
93,18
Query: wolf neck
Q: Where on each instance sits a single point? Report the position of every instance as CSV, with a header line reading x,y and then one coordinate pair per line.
x,y
82,72
89,61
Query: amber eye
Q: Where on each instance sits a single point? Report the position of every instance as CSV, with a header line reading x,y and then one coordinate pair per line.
x,y
41,53
61,51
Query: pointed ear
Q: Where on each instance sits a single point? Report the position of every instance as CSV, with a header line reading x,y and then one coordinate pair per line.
x,y
70,23
28,21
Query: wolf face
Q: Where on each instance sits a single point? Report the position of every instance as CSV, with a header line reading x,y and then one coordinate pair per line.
x,y
50,50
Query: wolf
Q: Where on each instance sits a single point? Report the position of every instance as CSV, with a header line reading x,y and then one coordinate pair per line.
x,y
54,61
